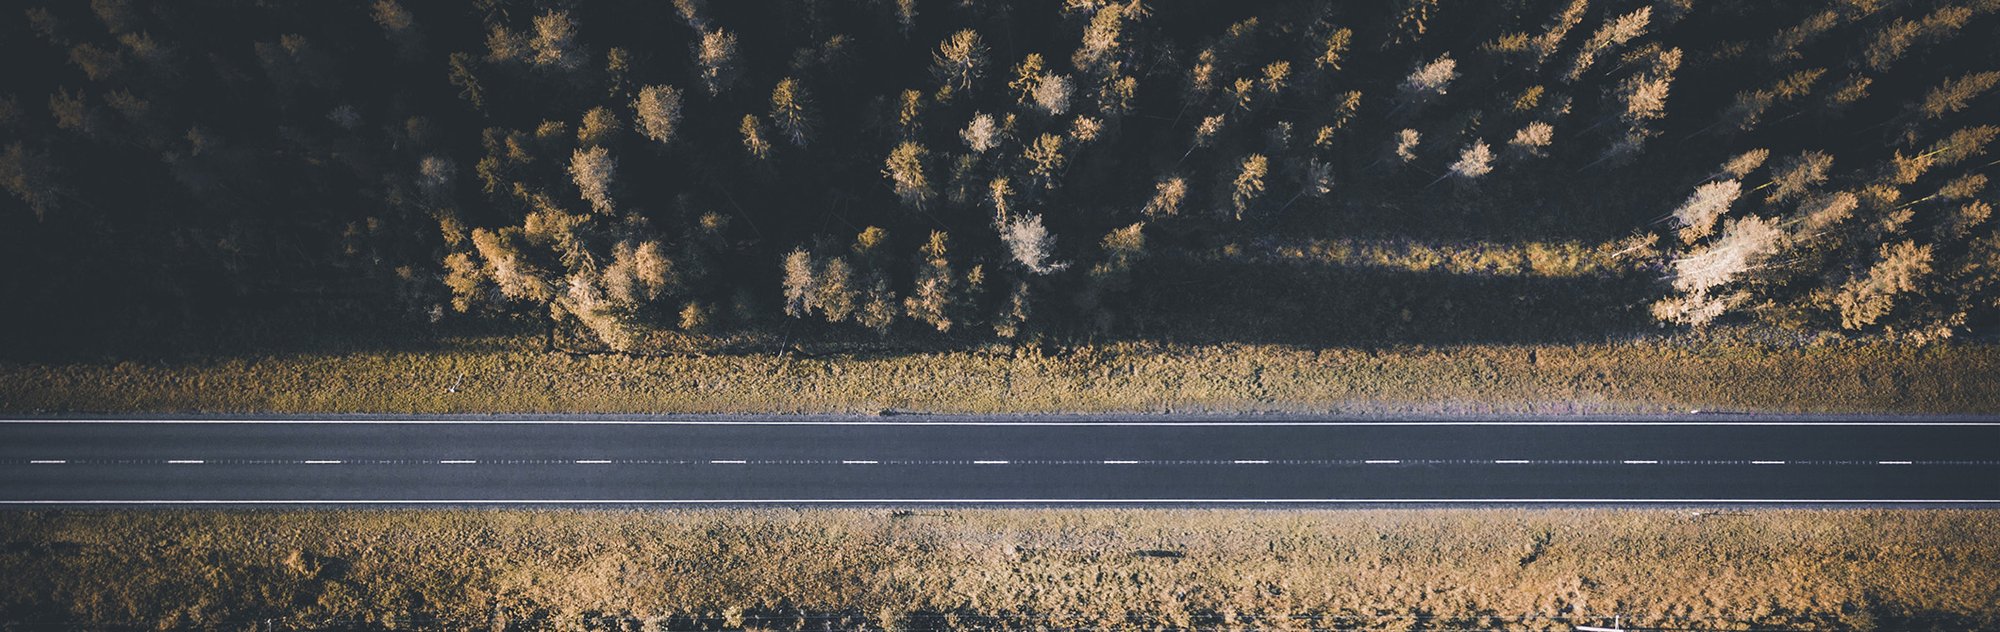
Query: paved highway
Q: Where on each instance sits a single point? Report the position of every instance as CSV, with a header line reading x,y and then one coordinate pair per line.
x,y
1086,460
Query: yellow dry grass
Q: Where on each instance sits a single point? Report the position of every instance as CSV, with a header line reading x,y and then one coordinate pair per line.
x,y
506,375
1009,569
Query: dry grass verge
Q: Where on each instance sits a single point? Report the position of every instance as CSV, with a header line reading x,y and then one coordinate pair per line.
x,y
504,375
1014,569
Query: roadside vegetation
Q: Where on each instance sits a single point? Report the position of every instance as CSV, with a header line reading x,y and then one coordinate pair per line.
x,y
502,374
939,569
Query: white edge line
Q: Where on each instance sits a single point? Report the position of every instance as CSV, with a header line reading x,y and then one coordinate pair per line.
x,y
1642,462
185,461
730,462
456,462
881,501
1893,462
859,462
990,462
322,462
1511,462
1767,462
48,462
1251,462
592,461
673,422
1121,462
1382,462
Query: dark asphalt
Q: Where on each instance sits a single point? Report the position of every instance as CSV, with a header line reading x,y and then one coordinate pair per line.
x,y
50,461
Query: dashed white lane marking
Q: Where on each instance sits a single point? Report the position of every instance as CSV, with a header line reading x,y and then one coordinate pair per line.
x,y
990,462
729,462
1121,462
1642,462
457,462
1251,462
1382,461
1894,462
1512,461
858,462
593,461
1767,462
185,462
323,462
48,462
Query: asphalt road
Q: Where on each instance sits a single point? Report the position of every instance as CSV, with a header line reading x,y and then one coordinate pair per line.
x,y
950,461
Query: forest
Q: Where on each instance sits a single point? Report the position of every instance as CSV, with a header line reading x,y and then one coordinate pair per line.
x,y
665,177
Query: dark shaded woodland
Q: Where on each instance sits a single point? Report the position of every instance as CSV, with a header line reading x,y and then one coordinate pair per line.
x,y
656,176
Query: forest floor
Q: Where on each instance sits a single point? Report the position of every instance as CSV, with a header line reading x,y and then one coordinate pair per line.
x,y
862,569
497,373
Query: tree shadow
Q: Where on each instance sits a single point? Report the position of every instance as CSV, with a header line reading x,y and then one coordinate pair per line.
x,y
1315,305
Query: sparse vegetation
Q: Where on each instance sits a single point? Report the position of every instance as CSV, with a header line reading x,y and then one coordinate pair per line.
x,y
950,569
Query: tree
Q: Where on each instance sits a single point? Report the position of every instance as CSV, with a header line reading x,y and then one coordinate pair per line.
x,y
1052,94
657,113
1427,82
1100,40
715,57
980,134
1866,298
1405,149
599,126
1475,161
593,171
1249,183
801,284
1027,78
1709,202
1955,95
935,298
1167,196
791,109
1532,139
1333,50
905,170
1615,32
752,130
958,63
1798,174
1045,159
1030,243
554,43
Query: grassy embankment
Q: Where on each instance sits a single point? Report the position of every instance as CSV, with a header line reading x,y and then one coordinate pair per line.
x,y
1018,569
508,375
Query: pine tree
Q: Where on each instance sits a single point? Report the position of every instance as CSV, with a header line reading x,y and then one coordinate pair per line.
x,y
1248,184
791,109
